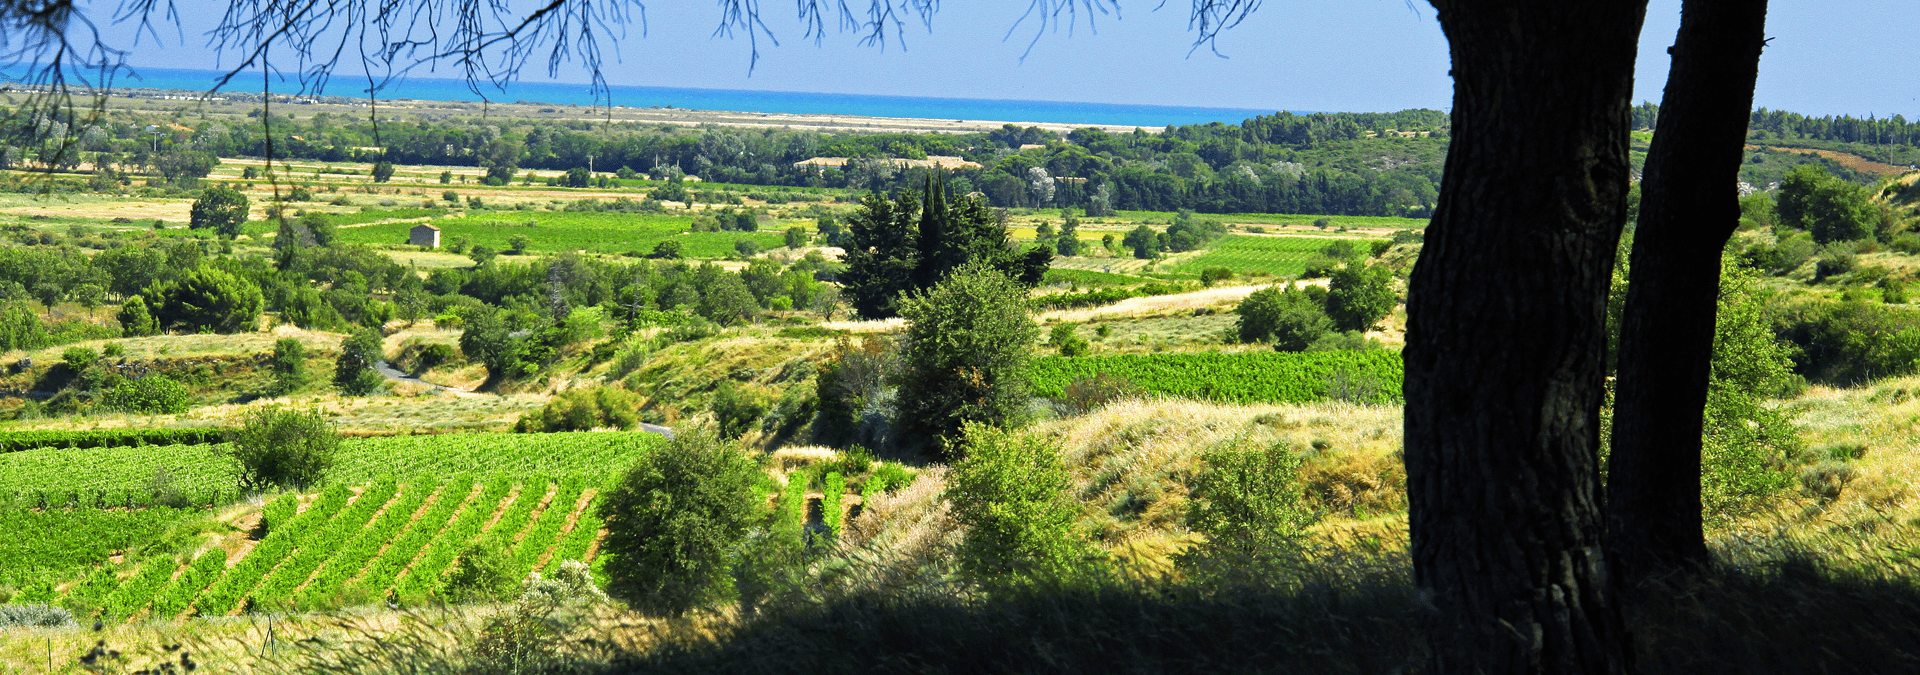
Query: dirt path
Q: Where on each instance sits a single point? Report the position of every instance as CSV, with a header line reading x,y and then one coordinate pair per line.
x,y
1161,304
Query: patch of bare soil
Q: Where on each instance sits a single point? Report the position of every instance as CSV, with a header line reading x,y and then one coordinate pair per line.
x,y
1851,161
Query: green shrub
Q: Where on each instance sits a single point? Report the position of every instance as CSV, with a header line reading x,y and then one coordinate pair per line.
x,y
1746,445
222,209
113,350
206,298
481,573
966,354
288,365
1248,506
600,407
673,522
1211,275
281,447
354,371
1288,318
1068,342
736,409
831,487
78,358
1359,295
887,477
153,394
1092,392
1014,497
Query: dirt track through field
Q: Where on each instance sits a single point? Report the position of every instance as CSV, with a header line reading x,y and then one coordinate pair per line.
x,y
1161,304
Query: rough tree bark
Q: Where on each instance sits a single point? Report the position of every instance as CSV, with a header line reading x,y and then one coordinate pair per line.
x,y
1506,342
1689,207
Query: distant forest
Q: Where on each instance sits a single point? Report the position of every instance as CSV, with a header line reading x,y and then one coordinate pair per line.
x,y
1374,164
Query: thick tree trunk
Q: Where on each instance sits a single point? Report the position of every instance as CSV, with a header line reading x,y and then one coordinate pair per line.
x,y
1689,206
1506,342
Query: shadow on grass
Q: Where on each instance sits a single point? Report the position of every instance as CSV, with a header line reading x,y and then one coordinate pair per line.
x,y
1785,611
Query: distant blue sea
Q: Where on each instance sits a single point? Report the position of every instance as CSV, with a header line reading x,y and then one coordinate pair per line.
x,y
435,89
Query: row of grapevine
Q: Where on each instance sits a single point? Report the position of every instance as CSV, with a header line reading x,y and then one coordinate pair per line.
x,y
43,549
233,588
135,593
179,594
831,488
1239,377
346,562
790,519
93,589
345,550
380,575
15,441
545,529
319,544
577,541
424,579
500,536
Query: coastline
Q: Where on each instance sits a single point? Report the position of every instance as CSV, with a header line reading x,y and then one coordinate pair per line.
x,y
167,100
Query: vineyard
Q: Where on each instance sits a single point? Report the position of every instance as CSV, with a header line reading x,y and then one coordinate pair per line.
x,y
1282,256
1237,377
351,546
119,476
595,232
397,513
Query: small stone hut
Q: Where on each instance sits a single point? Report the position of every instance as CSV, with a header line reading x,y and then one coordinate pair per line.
x,y
424,235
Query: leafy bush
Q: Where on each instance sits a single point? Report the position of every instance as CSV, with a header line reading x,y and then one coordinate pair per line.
x,y
1089,393
673,522
1848,342
1828,207
887,477
1064,339
482,573
1014,497
1746,445
281,447
153,394
736,409
354,371
600,407
966,354
1289,318
1359,295
852,376
207,298
1248,506
223,209
288,365
78,358
20,328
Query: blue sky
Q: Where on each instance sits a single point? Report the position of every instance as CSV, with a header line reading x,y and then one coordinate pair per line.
x,y
1831,57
